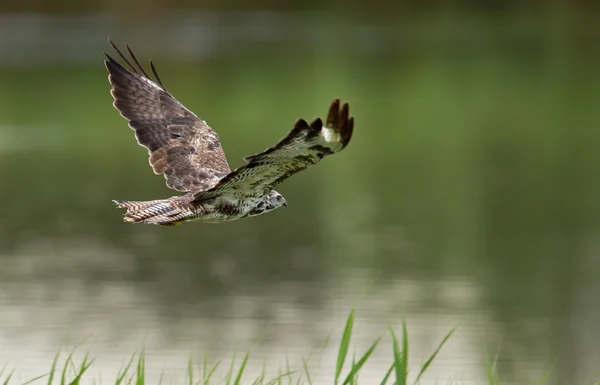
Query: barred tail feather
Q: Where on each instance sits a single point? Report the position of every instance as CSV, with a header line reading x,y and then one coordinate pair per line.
x,y
157,212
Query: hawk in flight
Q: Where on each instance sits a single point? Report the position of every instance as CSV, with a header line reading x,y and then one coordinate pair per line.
x,y
188,153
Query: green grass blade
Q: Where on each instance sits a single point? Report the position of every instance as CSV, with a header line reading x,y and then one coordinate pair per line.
x,y
260,380
326,342
287,366
404,345
238,378
211,372
121,375
324,346
9,377
277,380
495,364
35,379
544,379
344,345
387,374
435,353
85,365
53,368
230,373
140,378
358,365
306,372
85,360
400,370
204,366
263,372
190,371
73,368
491,370
63,376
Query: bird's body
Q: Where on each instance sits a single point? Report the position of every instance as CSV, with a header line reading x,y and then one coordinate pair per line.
x,y
188,153
177,209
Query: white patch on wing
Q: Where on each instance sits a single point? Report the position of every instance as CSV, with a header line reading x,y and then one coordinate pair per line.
x,y
329,135
330,138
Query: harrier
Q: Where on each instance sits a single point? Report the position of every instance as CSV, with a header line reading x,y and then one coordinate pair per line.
x,y
189,154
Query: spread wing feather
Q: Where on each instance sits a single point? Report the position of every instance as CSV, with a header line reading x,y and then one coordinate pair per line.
x,y
304,146
181,146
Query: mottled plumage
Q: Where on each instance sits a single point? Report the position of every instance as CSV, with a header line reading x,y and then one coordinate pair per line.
x,y
189,154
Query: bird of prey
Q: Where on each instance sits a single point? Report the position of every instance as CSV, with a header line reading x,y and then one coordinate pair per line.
x,y
189,154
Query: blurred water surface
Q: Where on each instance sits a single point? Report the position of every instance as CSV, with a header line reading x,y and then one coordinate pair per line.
x,y
468,197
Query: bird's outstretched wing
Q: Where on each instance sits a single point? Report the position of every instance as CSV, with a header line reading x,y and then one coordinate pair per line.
x,y
304,146
181,146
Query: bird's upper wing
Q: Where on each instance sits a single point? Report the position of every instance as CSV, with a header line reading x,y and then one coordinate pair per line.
x,y
305,145
181,146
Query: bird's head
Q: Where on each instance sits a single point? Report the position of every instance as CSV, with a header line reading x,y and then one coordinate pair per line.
x,y
273,200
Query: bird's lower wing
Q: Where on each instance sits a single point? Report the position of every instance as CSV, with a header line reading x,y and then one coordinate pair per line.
x,y
305,145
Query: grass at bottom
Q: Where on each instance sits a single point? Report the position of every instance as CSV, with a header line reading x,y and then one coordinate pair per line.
x,y
72,373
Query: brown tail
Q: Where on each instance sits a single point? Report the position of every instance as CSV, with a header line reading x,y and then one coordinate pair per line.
x,y
158,212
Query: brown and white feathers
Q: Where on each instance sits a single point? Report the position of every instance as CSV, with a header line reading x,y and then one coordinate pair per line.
x,y
189,154
304,146
181,146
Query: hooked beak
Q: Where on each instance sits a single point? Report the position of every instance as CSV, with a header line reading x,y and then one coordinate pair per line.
x,y
284,203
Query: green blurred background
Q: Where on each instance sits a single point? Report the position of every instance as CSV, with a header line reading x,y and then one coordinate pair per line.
x,y
469,195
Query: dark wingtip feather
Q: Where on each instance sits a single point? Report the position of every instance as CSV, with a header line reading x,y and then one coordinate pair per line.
x,y
347,123
316,124
332,115
344,112
135,60
347,134
112,65
300,123
138,68
157,77
118,51
339,119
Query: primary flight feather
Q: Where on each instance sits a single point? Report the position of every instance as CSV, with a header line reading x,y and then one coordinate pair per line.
x,y
189,154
